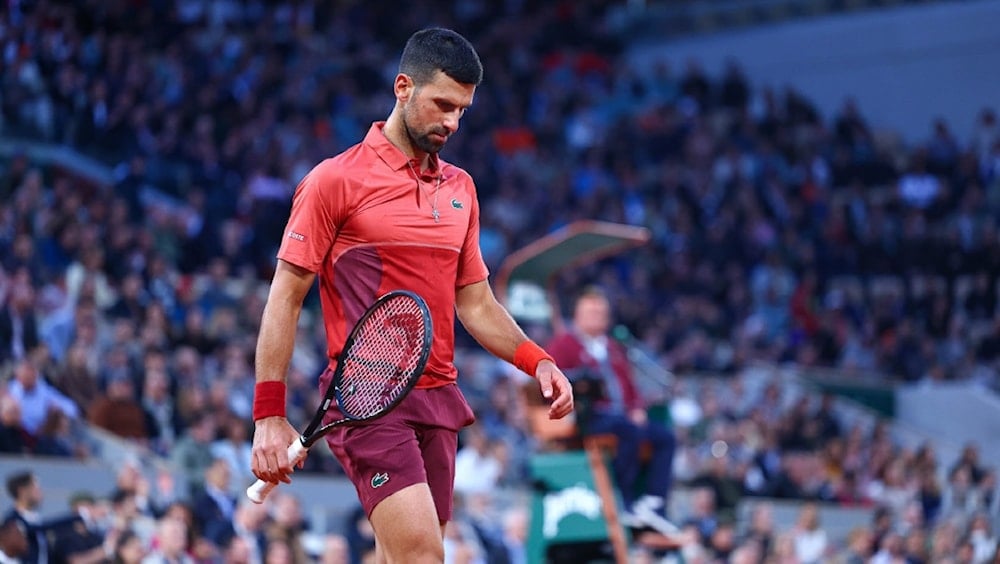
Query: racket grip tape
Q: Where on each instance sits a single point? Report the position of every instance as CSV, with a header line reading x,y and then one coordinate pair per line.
x,y
259,490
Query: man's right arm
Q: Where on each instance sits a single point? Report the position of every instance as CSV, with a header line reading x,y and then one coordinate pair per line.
x,y
275,344
279,323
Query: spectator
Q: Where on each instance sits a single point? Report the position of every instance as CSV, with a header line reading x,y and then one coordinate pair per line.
x,y
286,527
80,538
761,527
248,525
515,534
171,543
86,277
890,550
214,506
335,550
989,493
26,494
18,323
811,541
55,437
959,494
279,552
75,377
858,549
929,495
234,449
727,489
702,514
477,470
161,417
129,549
237,551
193,452
118,412
14,438
915,546
360,536
36,396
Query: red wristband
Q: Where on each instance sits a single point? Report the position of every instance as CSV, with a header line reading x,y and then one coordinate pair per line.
x,y
528,355
268,399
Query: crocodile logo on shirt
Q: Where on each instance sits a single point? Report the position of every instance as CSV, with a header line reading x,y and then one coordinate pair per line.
x,y
379,479
456,204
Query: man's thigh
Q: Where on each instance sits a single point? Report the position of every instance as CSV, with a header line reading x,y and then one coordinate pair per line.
x,y
380,459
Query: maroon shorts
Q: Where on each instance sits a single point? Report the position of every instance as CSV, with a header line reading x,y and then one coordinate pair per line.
x,y
414,443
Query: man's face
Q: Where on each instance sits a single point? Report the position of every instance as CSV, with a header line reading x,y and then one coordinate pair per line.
x,y
592,316
26,374
431,111
32,494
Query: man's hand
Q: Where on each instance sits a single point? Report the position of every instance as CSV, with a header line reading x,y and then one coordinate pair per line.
x,y
269,456
639,417
556,388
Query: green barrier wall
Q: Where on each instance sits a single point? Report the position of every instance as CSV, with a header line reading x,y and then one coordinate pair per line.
x,y
566,510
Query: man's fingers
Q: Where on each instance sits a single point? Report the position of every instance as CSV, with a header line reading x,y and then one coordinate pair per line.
x,y
545,383
561,407
282,469
272,466
563,403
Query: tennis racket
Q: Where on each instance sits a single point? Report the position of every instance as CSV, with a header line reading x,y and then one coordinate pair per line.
x,y
382,359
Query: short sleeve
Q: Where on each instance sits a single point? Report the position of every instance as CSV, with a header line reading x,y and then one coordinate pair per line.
x,y
471,267
317,210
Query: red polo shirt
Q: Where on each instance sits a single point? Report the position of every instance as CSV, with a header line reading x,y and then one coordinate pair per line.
x,y
364,222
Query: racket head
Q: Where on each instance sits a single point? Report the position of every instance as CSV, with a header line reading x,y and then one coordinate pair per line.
x,y
383,357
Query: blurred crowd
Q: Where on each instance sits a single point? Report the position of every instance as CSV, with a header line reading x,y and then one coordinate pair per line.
x,y
779,234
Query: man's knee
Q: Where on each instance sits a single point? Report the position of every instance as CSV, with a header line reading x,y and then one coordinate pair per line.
x,y
414,546
407,527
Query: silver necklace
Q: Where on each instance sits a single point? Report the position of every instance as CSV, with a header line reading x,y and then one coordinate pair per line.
x,y
437,188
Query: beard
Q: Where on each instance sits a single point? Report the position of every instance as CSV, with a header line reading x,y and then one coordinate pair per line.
x,y
422,139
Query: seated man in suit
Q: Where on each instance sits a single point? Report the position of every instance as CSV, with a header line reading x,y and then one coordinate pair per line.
x,y
586,351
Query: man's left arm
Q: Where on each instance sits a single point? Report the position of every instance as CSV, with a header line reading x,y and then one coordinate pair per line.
x,y
492,326
63,403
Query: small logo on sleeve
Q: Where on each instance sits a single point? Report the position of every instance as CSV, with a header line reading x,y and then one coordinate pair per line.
x,y
296,236
456,204
379,479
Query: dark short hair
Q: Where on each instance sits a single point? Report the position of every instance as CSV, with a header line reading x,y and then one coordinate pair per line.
x,y
591,291
438,49
18,481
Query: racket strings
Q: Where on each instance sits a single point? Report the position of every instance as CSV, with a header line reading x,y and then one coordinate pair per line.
x,y
383,359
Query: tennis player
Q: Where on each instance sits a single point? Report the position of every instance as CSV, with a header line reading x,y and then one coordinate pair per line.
x,y
388,214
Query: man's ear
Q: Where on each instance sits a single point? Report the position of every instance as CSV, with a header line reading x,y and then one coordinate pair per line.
x,y
403,87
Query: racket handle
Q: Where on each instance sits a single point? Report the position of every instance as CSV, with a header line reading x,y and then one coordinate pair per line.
x,y
259,490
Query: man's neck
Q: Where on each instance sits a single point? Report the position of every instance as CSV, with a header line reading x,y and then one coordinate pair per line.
x,y
395,132
27,512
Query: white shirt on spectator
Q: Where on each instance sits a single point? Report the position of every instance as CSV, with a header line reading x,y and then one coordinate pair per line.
x,y
919,190
475,472
810,545
35,404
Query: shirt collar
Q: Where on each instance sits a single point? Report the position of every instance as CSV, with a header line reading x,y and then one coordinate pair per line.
x,y
394,157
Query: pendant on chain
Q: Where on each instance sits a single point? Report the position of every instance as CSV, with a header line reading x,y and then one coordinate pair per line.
x,y
437,216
